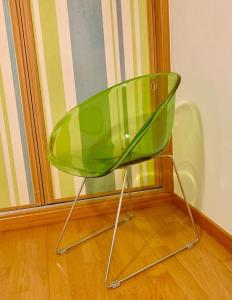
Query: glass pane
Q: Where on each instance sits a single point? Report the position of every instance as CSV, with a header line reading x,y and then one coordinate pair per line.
x,y
83,47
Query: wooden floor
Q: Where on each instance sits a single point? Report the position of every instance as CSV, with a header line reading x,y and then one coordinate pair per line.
x,y
29,268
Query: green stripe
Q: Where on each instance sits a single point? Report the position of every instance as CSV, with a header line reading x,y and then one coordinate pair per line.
x,y
5,195
150,164
141,175
113,38
8,137
133,38
115,115
55,79
144,39
144,44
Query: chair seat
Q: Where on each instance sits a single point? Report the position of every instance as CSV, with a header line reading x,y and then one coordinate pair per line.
x,y
74,164
110,130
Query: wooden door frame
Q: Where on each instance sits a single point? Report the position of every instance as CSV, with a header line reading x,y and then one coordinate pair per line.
x,y
159,35
27,105
31,94
31,91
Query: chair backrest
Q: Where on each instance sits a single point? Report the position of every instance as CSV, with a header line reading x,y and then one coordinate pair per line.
x,y
155,132
129,122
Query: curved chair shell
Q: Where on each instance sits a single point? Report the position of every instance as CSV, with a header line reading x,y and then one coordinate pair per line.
x,y
124,124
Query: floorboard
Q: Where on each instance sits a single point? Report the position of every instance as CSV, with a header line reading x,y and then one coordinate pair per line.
x,y
30,269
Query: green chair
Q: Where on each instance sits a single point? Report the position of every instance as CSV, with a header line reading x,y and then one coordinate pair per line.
x,y
128,123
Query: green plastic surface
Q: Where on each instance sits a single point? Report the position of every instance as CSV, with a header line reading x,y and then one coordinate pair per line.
x,y
124,124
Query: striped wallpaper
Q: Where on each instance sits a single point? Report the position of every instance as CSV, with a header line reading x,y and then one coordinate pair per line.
x,y
15,175
82,48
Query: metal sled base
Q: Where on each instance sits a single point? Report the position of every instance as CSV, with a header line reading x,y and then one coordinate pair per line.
x,y
118,282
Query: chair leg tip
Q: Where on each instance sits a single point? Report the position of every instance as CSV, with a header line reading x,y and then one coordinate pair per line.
x,y
61,251
131,216
128,217
189,245
114,285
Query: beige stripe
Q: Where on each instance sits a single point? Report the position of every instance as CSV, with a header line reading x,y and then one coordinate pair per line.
x,y
139,72
66,53
12,113
108,36
44,84
118,173
129,69
137,40
113,71
6,157
67,65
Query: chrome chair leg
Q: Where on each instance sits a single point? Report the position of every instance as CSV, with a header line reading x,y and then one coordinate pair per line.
x,y
186,202
188,245
63,250
115,229
131,214
184,196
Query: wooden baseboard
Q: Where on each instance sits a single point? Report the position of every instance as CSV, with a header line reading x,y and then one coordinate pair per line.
x,y
56,213
223,237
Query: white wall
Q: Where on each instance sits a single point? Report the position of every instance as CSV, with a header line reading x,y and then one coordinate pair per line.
x,y
201,51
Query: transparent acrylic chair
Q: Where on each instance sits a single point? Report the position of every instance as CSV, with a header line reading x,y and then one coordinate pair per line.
x,y
123,125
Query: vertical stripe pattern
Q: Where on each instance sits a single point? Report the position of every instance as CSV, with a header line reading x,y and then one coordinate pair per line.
x,y
83,47
67,66
16,181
